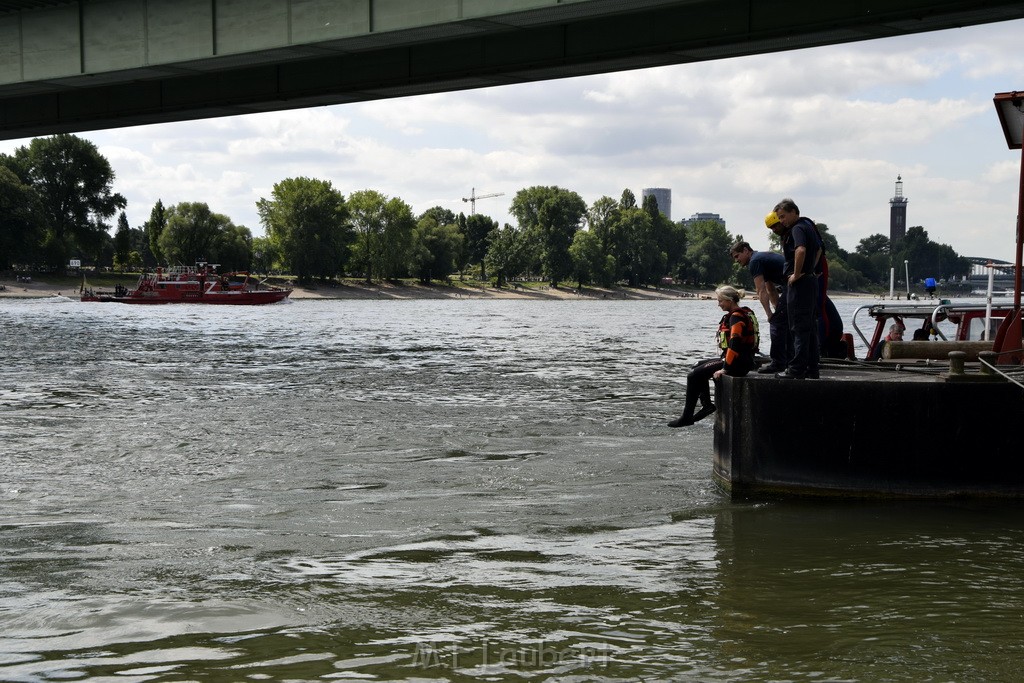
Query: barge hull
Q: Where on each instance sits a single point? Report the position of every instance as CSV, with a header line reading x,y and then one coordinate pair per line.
x,y
855,434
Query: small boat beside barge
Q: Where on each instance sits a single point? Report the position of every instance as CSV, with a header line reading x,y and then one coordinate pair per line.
x,y
193,285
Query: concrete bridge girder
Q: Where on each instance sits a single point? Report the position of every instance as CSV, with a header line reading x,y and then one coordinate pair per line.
x,y
88,64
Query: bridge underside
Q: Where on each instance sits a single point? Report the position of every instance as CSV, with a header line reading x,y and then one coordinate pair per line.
x,y
75,66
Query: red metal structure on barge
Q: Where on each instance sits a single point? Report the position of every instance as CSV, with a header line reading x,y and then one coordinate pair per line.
x,y
199,285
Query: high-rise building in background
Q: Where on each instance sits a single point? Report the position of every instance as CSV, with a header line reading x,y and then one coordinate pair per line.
x,y
662,195
897,214
704,217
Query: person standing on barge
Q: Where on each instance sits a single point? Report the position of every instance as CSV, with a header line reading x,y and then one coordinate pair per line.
x,y
802,248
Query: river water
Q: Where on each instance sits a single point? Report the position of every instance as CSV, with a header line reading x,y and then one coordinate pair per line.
x,y
443,490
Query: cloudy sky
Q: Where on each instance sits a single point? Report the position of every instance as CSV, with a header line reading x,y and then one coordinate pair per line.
x,y
830,127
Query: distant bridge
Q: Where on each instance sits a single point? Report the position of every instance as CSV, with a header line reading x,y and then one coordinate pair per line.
x,y
1003,270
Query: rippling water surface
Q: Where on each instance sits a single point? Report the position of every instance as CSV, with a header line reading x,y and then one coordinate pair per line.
x,y
442,490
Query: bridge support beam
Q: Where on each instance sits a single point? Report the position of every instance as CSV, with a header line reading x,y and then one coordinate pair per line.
x,y
74,66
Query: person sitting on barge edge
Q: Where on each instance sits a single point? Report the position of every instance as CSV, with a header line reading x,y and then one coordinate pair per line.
x,y
738,340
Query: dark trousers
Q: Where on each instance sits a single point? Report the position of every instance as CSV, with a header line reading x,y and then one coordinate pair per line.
x,y
802,308
778,330
698,384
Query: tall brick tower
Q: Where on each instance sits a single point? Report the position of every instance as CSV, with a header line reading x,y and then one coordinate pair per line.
x,y
897,214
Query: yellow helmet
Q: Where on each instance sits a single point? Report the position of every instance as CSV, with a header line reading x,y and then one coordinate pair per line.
x,y
771,220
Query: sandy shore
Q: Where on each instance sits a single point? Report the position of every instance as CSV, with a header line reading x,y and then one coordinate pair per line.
x,y
40,289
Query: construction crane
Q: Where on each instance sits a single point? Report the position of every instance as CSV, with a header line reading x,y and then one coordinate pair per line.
x,y
473,196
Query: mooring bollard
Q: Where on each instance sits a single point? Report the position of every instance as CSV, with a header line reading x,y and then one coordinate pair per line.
x,y
956,362
988,360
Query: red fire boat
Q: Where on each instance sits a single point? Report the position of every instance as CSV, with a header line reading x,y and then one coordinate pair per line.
x,y
193,285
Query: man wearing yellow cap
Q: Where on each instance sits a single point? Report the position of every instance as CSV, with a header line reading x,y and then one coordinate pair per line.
x,y
802,249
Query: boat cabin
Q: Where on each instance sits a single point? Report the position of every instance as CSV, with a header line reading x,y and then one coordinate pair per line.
x,y
970,323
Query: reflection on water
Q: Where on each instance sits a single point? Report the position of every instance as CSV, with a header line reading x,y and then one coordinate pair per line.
x,y
441,491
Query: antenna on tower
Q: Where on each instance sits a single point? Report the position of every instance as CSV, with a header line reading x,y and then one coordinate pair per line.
x,y
473,196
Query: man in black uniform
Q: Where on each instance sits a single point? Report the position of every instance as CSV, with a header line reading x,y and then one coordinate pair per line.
x,y
801,248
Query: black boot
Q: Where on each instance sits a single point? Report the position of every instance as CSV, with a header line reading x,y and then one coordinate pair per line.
x,y
681,421
688,418
704,411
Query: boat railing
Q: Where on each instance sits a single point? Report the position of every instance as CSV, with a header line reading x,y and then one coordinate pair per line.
x,y
940,313
884,311
856,327
937,314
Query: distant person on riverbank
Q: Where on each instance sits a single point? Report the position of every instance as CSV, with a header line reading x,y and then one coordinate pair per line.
x,y
767,268
802,249
737,339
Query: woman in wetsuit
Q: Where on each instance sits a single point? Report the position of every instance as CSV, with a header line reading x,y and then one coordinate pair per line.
x,y
737,340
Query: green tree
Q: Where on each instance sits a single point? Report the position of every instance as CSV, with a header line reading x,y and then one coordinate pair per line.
x,y
266,255
234,247
154,227
443,216
21,231
192,233
871,258
674,247
434,249
367,211
308,220
874,268
665,237
74,183
843,277
708,261
440,214
551,216
604,219
832,249
140,244
627,200
590,263
640,260
477,231
926,258
399,223
122,242
384,233
131,262
873,244
507,255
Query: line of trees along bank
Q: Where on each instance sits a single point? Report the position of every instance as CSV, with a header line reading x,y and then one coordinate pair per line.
x,y
56,198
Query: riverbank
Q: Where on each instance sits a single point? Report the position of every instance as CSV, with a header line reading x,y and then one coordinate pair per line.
x,y
361,290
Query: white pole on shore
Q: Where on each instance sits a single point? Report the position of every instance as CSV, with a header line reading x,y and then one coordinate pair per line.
x,y
892,282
